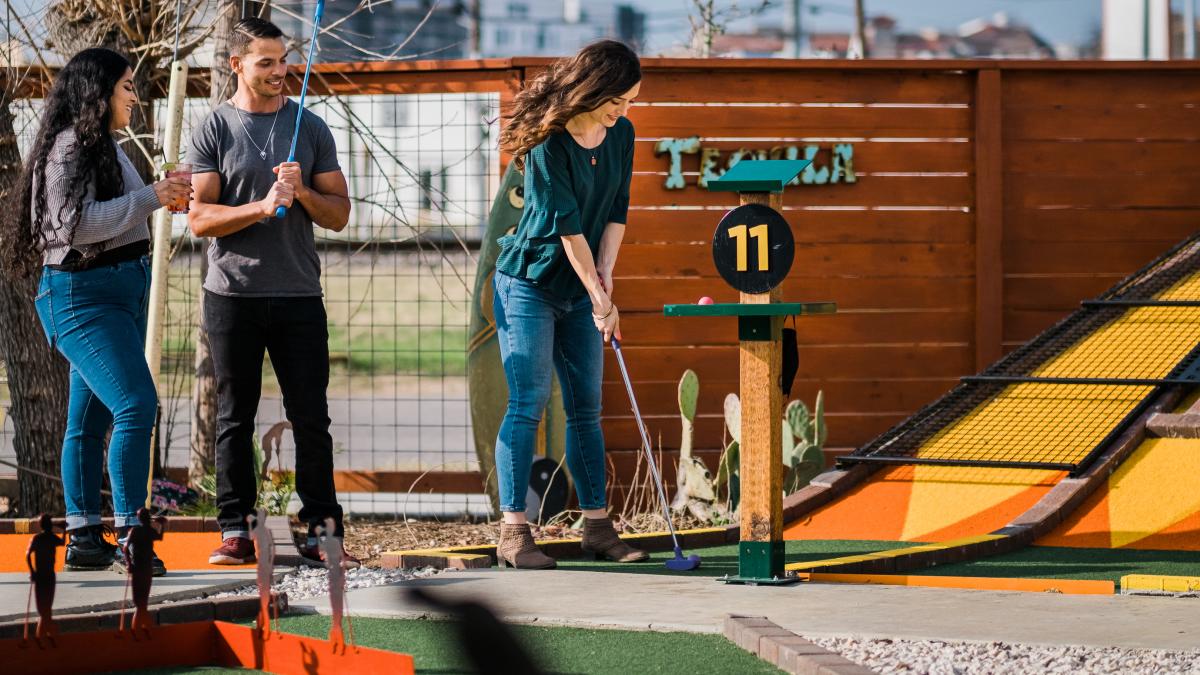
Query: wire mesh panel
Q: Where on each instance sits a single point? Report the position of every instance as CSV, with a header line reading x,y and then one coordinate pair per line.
x,y
421,170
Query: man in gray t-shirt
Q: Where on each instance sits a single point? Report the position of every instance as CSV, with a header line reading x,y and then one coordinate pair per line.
x,y
263,289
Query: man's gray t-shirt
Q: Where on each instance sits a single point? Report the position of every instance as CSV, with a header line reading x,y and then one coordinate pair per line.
x,y
273,257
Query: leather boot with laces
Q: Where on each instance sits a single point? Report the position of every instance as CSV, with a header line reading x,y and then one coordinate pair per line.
x,y
87,550
517,549
601,540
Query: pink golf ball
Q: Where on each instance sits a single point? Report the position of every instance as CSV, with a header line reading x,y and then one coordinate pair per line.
x,y
705,301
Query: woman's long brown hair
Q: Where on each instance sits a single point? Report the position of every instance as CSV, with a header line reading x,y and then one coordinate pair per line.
x,y
600,72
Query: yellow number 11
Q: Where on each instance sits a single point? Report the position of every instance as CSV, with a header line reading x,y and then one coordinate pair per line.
x,y
759,232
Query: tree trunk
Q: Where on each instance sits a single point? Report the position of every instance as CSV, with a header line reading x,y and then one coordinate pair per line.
x,y
37,374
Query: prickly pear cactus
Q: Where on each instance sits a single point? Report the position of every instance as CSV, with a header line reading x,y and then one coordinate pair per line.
x,y
733,417
689,392
804,436
695,492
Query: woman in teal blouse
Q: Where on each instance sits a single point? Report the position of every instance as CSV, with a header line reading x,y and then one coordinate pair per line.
x,y
553,285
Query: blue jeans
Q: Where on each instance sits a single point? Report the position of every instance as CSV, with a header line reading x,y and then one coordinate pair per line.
x,y
537,329
97,319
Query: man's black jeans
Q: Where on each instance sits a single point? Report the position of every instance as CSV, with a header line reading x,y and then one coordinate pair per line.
x,y
294,332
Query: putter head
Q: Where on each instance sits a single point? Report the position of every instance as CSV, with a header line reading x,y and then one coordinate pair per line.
x,y
681,564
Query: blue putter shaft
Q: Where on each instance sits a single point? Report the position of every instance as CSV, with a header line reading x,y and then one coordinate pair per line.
x,y
679,562
317,14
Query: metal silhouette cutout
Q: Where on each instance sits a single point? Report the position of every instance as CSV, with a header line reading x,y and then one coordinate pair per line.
x,y
138,549
40,558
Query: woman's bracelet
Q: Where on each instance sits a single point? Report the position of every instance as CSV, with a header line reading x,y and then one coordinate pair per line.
x,y
611,306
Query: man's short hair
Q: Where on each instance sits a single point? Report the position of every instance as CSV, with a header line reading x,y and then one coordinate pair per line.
x,y
249,30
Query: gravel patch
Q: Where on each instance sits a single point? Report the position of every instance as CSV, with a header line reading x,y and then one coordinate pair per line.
x,y
312,582
999,658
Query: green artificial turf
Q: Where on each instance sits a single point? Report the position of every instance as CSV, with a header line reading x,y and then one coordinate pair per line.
x,y
433,646
1053,562
716,561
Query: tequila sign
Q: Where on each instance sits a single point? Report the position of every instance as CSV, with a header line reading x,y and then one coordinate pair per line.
x,y
830,164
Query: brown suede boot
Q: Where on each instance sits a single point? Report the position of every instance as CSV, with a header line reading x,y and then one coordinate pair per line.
x,y
516,549
600,539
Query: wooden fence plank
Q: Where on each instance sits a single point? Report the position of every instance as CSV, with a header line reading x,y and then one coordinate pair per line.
x,y
1147,121
1101,158
869,156
1115,226
812,227
841,395
1079,257
1055,292
850,292
869,260
788,121
1172,192
939,191
1098,88
652,328
816,361
814,86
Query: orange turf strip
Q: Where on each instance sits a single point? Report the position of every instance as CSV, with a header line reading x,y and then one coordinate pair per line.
x,y
179,551
1069,586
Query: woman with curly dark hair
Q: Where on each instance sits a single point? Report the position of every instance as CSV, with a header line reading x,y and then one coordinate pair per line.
x,y
554,281
81,219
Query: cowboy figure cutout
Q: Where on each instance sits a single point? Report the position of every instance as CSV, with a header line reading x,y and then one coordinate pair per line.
x,y
41,557
138,549
266,569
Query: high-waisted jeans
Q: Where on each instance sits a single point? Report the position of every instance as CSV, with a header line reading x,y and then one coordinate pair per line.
x,y
538,330
97,319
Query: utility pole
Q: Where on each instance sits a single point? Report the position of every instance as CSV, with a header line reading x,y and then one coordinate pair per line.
x,y
1189,29
795,29
474,27
859,43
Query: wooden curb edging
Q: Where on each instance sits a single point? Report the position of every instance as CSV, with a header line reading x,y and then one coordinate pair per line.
x,y
786,650
472,557
209,609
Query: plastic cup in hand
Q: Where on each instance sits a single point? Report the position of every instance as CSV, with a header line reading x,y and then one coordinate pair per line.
x,y
178,170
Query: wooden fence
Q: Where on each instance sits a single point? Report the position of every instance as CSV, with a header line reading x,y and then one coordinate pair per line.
x,y
988,199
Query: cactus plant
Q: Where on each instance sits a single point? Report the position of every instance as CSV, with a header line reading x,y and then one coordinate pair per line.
x,y
804,435
694,483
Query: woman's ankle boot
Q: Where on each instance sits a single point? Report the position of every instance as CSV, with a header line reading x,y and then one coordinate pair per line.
x,y
600,539
516,549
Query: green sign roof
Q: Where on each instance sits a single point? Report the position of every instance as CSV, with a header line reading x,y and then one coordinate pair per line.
x,y
759,175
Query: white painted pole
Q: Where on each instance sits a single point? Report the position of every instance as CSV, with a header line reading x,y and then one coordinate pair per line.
x,y
1189,29
161,258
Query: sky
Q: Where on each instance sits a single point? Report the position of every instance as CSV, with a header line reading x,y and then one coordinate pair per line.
x,y
1058,21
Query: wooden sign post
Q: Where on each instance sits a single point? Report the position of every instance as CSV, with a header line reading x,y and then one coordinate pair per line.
x,y
753,250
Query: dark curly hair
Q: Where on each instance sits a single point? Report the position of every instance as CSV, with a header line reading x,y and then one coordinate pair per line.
x,y
601,71
77,100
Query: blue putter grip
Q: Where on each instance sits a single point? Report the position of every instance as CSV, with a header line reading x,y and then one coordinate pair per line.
x,y
318,12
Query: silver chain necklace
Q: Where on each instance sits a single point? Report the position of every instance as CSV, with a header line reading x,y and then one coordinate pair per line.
x,y
262,150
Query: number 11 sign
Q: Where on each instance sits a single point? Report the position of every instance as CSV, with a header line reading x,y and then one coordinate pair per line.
x,y
753,248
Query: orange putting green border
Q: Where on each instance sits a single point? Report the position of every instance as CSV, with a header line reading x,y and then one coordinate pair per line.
x,y
1066,586
200,643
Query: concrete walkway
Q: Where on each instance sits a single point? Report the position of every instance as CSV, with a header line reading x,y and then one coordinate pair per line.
x,y
94,591
641,601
